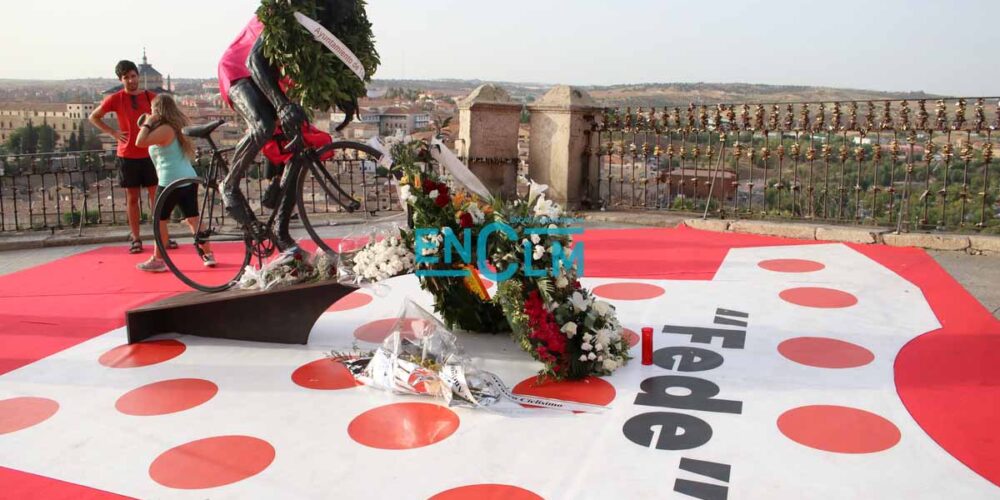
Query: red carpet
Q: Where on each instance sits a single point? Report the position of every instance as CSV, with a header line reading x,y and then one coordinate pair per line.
x,y
949,379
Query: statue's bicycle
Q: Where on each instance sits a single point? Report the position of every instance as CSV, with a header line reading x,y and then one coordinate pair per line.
x,y
235,246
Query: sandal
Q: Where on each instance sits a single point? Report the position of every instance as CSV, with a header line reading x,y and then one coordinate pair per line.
x,y
171,245
135,246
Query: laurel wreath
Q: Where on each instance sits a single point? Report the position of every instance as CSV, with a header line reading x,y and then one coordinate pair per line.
x,y
321,80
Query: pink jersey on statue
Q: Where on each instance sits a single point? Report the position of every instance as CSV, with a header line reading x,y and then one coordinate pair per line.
x,y
233,65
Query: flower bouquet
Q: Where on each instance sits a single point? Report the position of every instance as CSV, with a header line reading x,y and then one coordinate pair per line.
x,y
289,269
462,302
421,357
552,316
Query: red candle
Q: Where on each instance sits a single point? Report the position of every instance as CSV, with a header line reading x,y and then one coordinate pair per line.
x,y
647,346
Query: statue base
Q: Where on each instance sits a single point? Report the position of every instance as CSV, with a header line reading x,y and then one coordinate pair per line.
x,y
283,316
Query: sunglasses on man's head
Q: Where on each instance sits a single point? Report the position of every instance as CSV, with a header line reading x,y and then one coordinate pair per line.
x,y
135,101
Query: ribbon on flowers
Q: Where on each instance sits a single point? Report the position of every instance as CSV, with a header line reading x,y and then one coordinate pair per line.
x,y
458,170
332,43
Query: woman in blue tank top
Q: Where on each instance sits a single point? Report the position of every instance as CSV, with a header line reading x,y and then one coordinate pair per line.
x,y
171,152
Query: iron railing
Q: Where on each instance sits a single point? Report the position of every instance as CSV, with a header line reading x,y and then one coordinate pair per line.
x,y
79,189
914,165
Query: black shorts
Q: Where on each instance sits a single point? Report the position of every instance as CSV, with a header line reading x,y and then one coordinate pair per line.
x,y
185,197
136,172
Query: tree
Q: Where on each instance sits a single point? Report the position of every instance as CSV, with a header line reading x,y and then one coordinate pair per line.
x,y
73,145
89,142
29,139
47,138
81,138
13,144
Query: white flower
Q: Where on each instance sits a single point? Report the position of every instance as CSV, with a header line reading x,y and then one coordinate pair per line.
x,y
383,259
536,239
580,303
538,253
598,347
586,347
602,338
569,329
433,194
404,194
610,364
561,281
587,337
535,191
583,357
477,214
591,356
546,208
602,307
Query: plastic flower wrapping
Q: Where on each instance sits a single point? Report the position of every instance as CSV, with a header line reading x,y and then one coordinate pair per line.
x,y
289,269
423,358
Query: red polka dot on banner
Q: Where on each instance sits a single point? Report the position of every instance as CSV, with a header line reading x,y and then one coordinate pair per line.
x,y
791,265
403,426
324,375
838,429
486,492
211,462
376,331
631,337
591,390
142,354
822,298
825,353
20,413
167,396
628,291
353,300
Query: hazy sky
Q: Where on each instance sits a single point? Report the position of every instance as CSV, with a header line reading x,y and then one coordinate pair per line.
x,y
943,46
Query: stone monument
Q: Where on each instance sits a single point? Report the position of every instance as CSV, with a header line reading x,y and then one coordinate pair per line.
x,y
561,122
488,125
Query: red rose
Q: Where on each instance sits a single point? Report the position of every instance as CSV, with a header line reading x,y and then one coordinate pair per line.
x,y
442,200
465,220
443,189
429,186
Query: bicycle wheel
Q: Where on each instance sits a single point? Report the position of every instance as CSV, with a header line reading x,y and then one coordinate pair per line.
x,y
336,185
223,237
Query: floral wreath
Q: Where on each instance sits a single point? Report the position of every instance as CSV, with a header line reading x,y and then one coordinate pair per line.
x,y
321,79
551,316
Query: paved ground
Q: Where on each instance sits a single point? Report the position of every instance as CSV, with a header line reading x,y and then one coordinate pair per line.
x,y
978,274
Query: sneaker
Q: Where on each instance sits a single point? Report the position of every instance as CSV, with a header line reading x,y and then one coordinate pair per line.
x,y
208,259
152,265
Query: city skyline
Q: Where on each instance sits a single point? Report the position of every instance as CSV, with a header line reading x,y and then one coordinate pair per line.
x,y
894,46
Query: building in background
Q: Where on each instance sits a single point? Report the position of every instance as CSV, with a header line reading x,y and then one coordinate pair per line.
x,y
64,118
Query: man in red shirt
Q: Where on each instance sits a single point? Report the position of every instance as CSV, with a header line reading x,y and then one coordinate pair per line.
x,y
135,168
